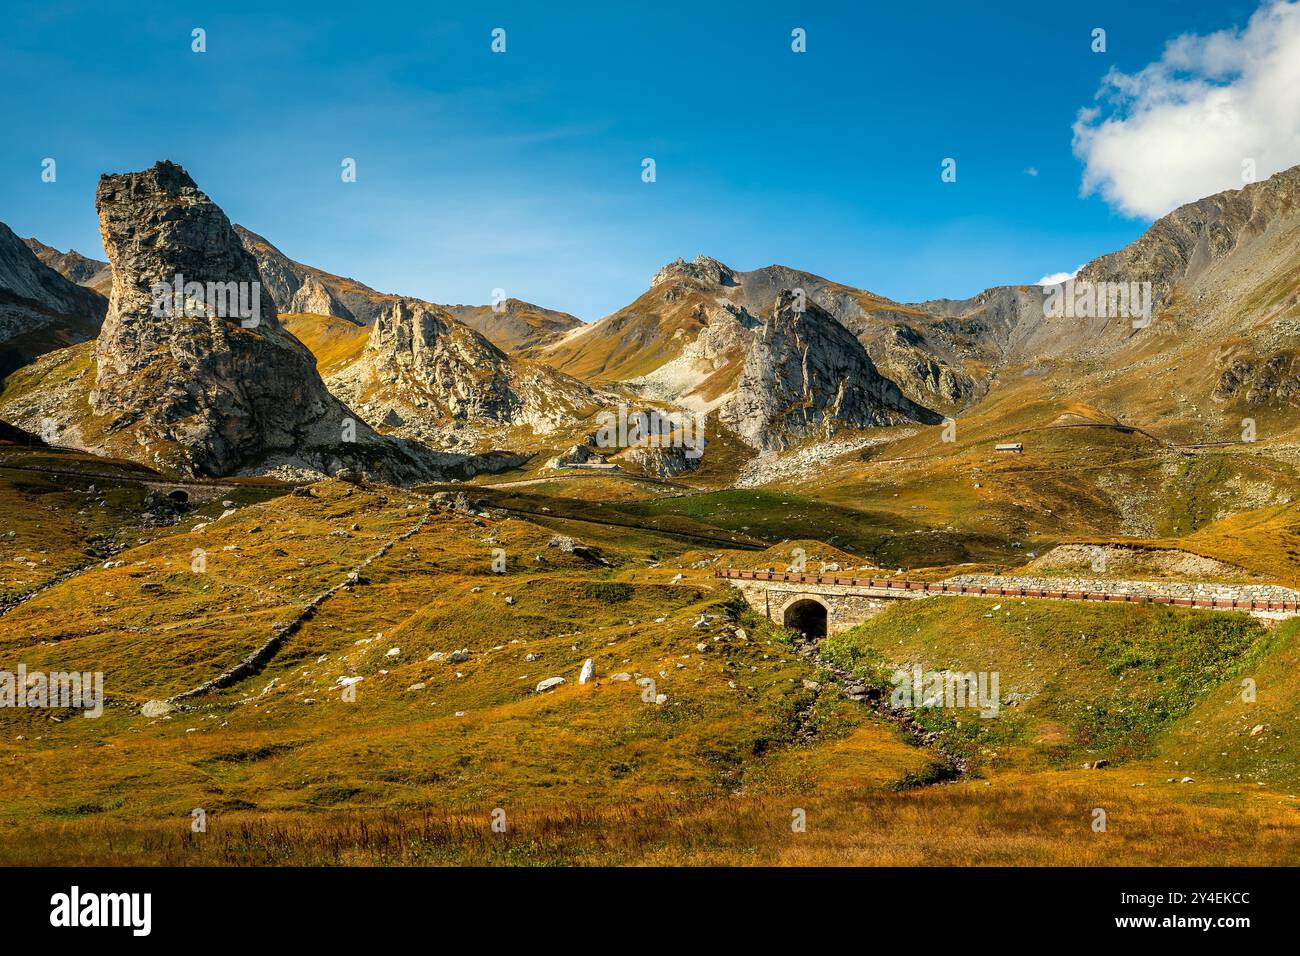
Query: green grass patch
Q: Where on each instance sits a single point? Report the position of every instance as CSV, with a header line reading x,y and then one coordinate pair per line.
x,y
1076,681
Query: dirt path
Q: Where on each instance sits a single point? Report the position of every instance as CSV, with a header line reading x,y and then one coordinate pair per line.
x,y
625,475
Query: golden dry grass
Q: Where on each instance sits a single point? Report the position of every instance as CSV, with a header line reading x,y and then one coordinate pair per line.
x,y
1038,820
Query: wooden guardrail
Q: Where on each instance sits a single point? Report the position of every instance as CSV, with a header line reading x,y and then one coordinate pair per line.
x,y
975,590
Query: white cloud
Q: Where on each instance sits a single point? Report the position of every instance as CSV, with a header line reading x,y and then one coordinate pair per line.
x,y
1183,127
1056,278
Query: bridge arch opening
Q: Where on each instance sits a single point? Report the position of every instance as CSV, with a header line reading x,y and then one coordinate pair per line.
x,y
807,616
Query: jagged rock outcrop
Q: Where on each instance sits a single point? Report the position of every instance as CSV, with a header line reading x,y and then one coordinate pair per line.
x,y
579,454
515,326
204,391
806,375
1261,380
40,310
435,380
315,298
703,269
664,459
659,442
413,346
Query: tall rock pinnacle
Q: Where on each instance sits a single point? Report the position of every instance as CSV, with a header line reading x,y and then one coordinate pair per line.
x,y
192,359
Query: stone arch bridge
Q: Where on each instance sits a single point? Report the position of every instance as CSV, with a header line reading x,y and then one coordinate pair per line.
x,y
821,604
816,604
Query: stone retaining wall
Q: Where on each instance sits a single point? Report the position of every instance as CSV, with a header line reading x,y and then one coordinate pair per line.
x,y
1177,589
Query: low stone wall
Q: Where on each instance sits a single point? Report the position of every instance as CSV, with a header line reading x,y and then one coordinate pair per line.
x,y
1177,589
260,657
849,605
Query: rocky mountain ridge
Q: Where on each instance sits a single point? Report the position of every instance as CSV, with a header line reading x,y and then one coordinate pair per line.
x,y
685,338
299,288
40,310
516,326
73,266
770,349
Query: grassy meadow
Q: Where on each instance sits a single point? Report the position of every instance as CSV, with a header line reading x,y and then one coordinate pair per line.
x,y
401,719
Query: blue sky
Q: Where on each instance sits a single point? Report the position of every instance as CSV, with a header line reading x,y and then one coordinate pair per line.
x,y
522,170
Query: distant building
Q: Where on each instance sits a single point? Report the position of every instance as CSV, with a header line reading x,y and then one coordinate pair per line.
x,y
1010,446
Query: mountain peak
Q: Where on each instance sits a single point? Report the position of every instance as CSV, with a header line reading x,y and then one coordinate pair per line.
x,y
40,307
73,266
701,268
164,175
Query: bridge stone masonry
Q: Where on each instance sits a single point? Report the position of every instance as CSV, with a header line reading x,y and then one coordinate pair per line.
x,y
821,604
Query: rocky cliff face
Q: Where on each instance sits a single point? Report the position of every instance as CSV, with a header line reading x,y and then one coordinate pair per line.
x,y
912,360
315,298
1267,380
293,286
40,310
704,372
806,375
204,391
